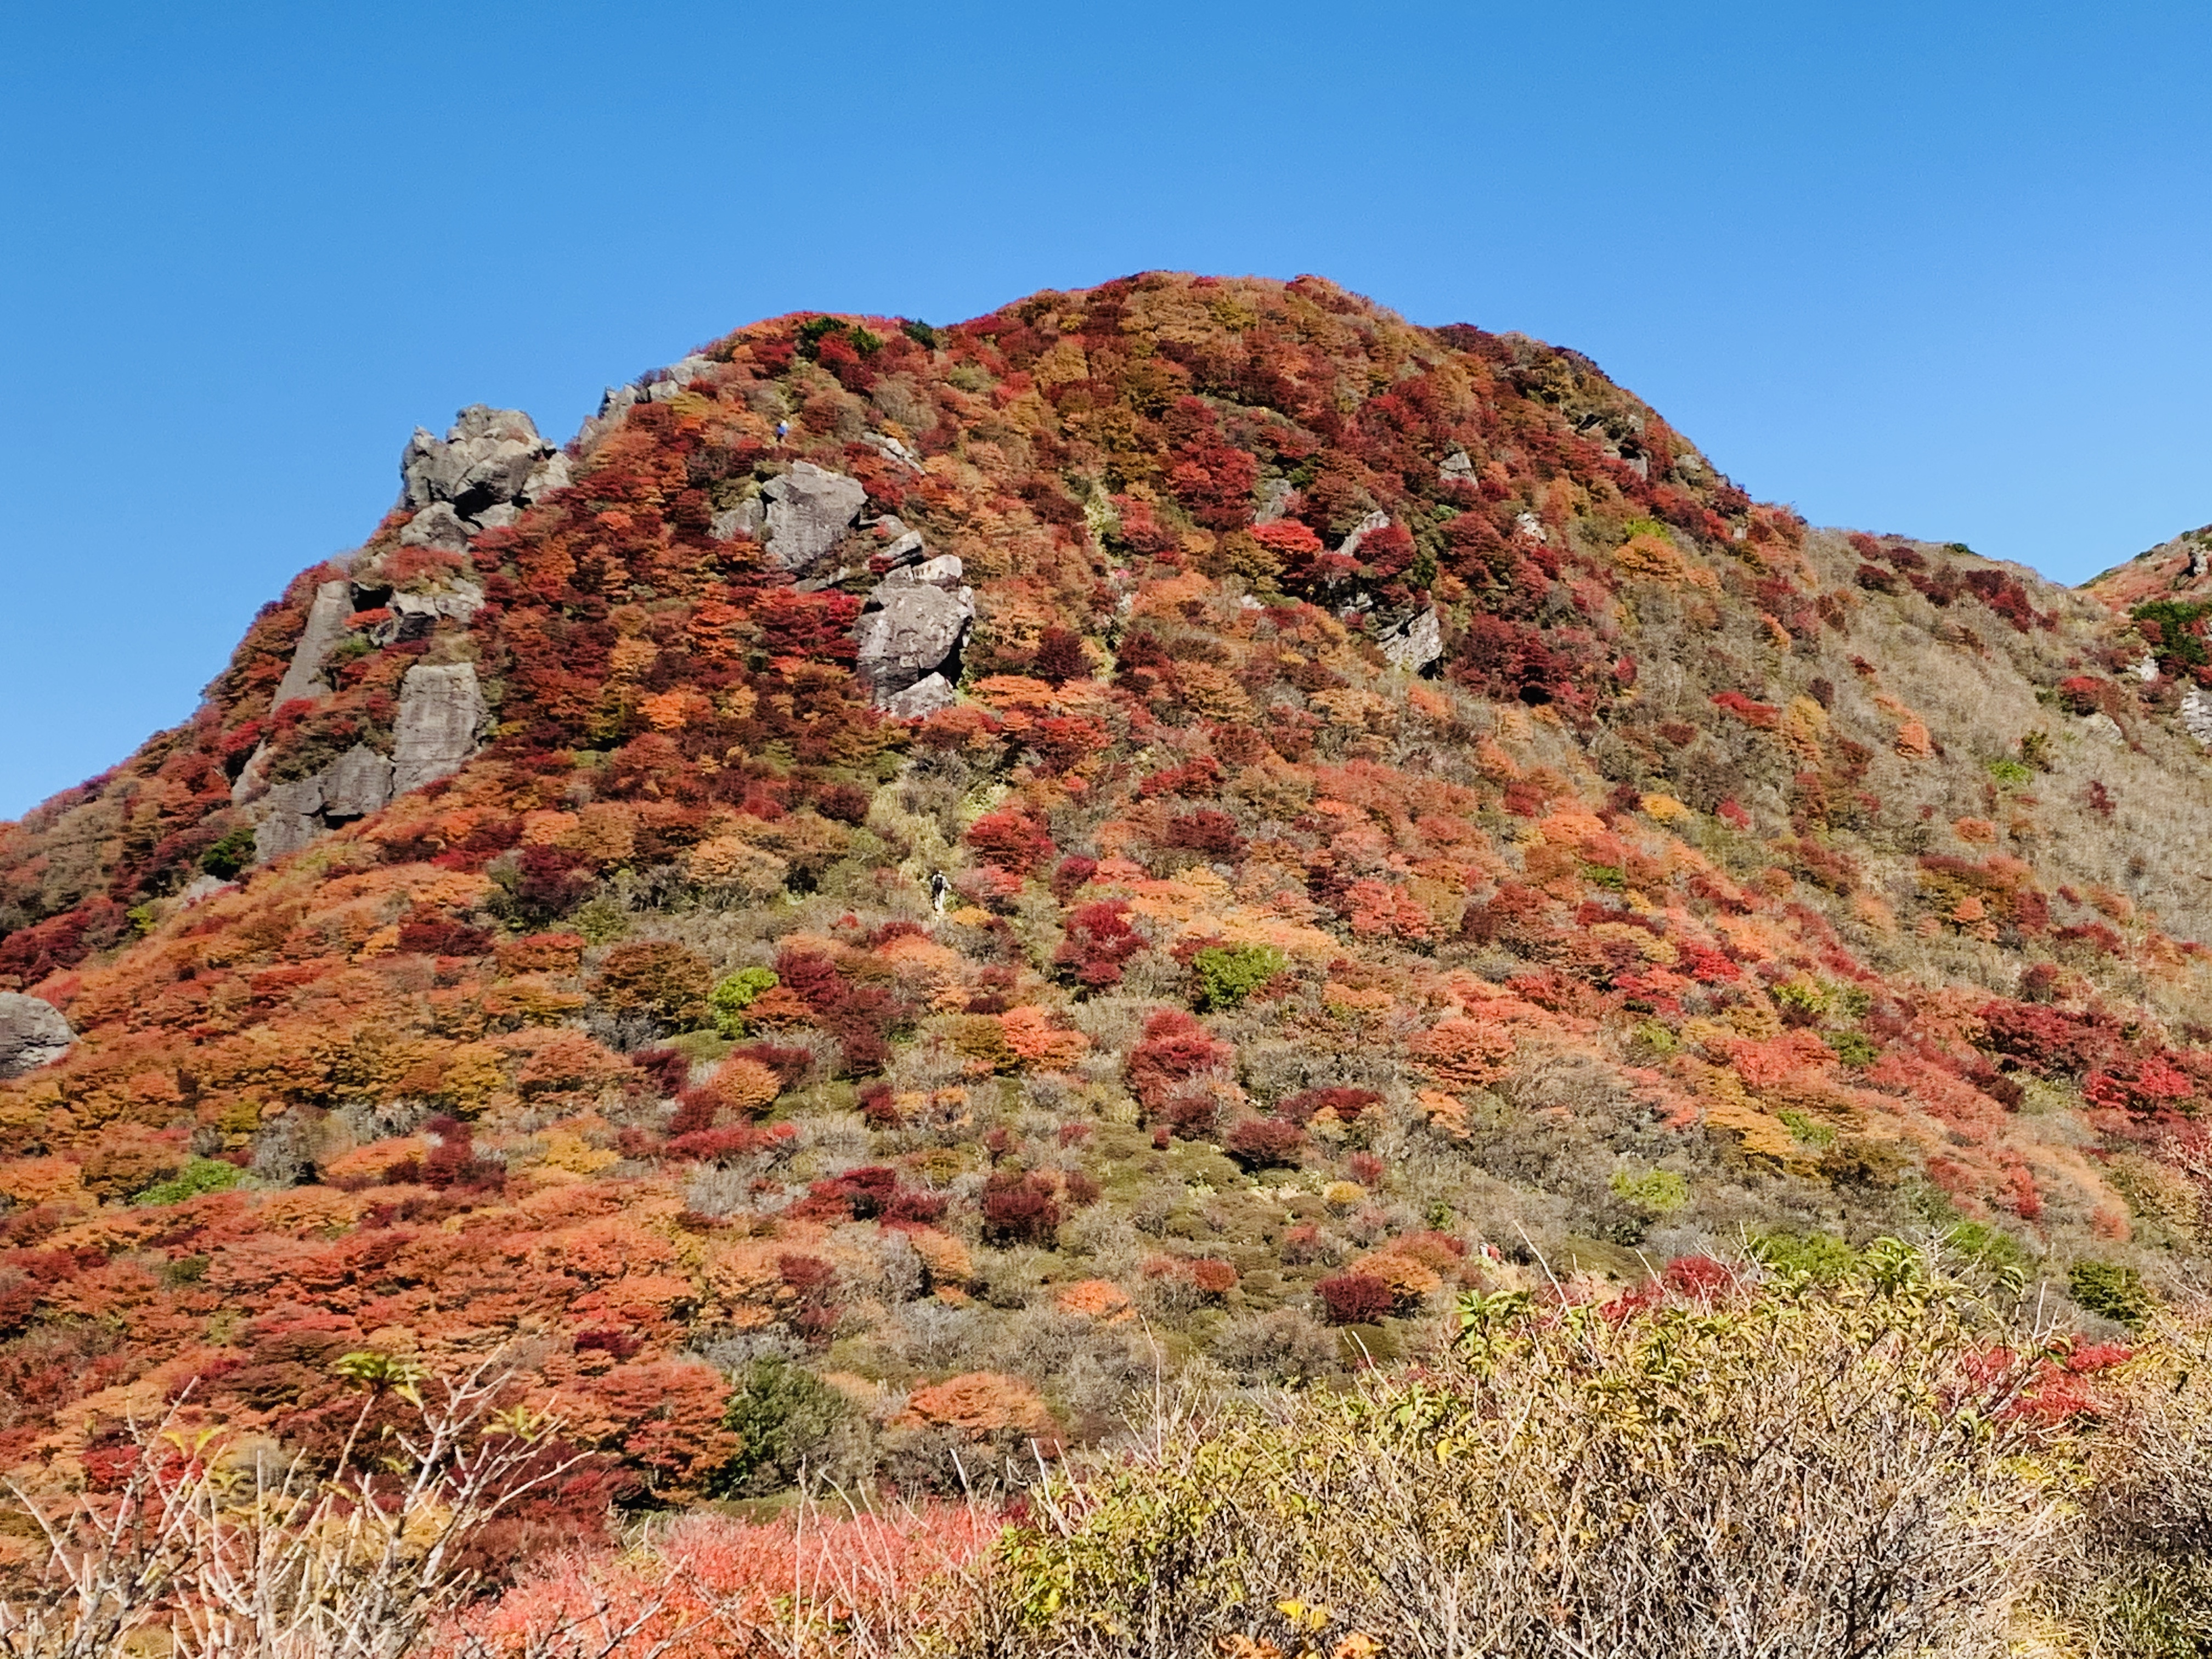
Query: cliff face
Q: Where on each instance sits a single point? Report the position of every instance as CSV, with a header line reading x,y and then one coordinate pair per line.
x,y
909,846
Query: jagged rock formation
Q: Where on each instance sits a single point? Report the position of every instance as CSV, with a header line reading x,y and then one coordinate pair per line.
x,y
490,463
1415,643
356,784
32,1033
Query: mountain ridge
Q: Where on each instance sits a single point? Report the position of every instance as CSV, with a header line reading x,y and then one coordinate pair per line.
x,y
901,849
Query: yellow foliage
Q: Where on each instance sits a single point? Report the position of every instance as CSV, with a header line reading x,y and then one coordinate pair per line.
x,y
1805,727
1214,692
732,862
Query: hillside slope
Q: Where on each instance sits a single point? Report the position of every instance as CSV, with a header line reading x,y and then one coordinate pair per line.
x,y
1192,811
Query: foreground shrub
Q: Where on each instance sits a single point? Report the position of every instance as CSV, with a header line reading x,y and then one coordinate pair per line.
x,y
1832,1473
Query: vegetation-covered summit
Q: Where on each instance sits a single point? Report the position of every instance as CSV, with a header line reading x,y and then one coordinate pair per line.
x,y
1398,826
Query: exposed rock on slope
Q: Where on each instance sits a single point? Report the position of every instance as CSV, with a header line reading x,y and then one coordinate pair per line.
x,y
32,1033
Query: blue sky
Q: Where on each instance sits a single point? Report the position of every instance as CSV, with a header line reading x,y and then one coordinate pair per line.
x,y
1934,268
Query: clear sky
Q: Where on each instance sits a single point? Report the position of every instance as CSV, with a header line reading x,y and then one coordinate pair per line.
x,y
1935,268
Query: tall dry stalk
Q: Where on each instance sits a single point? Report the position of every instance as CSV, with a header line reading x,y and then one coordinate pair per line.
x,y
245,1555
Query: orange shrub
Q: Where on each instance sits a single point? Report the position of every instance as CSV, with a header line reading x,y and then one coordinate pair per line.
x,y
1464,1053
976,1405
1037,1040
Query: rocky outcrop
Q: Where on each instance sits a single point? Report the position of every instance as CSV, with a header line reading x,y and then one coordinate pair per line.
x,y
355,784
1414,643
415,615
438,526
1456,468
352,786
912,627
328,618
1274,500
745,519
441,709
32,1033
892,449
487,457
922,699
2196,714
809,508
487,468
1360,532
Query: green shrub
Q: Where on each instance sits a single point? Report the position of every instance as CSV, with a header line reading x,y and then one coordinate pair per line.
x,y
2108,1289
1821,1257
785,1416
1985,1246
2008,772
1228,973
1852,1048
1656,1192
1808,1130
228,856
201,1175
731,997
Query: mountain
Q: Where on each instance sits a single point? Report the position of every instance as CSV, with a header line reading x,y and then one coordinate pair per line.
x,y
908,872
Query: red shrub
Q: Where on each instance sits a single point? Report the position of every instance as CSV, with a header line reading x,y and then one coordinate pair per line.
x,y
1260,1143
1176,1049
1011,841
1019,1209
1354,1299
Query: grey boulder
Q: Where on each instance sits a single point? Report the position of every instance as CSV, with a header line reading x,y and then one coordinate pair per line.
x,y
1414,643
913,626
440,708
1274,500
414,616
355,784
922,699
436,526
32,1033
809,508
745,519
1360,532
2196,714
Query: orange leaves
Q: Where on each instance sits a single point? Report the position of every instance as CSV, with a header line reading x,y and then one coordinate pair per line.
x,y
1095,1298
1040,1042
978,1405
569,1063
1777,1061
1464,1053
743,1086
1376,910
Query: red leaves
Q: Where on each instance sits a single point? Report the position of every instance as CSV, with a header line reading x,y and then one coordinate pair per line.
x,y
1176,1049
1760,716
2046,1041
1260,1143
1011,839
1019,1209
1355,1298
1099,941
